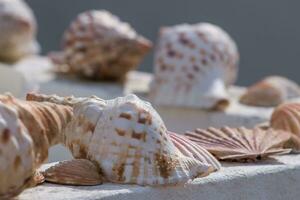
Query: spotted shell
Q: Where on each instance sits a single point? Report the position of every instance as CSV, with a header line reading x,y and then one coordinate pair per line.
x,y
17,30
287,117
271,91
130,143
97,45
193,66
241,144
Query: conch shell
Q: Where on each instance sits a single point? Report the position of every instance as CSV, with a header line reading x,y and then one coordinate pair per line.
x,y
97,45
27,130
194,65
17,30
126,138
271,91
287,117
241,144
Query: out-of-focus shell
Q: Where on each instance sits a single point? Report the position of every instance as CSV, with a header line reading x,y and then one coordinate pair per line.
x,y
129,141
193,66
97,45
241,144
271,91
16,154
17,30
287,117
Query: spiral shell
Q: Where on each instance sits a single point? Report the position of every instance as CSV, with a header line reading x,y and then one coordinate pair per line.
x,y
17,30
97,45
271,91
193,66
287,117
241,144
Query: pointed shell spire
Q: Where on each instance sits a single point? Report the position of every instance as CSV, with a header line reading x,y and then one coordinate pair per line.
x,y
241,144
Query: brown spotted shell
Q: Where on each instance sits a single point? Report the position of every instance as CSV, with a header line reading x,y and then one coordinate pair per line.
x,y
17,30
97,45
129,142
287,117
241,144
193,66
271,91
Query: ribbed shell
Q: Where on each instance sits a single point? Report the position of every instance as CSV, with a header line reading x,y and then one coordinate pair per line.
x,y
241,144
193,66
130,143
16,154
271,91
97,45
17,30
287,117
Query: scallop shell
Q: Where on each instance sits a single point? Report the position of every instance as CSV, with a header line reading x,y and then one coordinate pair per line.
x,y
129,141
271,91
193,66
17,30
27,129
97,45
287,117
241,144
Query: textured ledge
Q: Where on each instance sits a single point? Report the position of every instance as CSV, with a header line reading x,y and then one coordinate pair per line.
x,y
273,179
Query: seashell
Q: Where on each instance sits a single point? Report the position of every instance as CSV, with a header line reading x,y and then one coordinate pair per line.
x,y
287,117
97,45
74,172
241,144
129,142
271,91
193,66
27,129
17,30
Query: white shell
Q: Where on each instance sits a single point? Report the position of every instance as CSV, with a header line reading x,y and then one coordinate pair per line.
x,y
97,45
193,66
129,141
17,30
16,154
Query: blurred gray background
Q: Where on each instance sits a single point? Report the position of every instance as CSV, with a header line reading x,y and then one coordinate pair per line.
x,y
267,32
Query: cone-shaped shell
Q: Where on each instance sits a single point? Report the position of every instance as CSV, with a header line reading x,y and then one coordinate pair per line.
x,y
241,144
17,30
193,66
16,154
287,117
129,141
271,91
97,45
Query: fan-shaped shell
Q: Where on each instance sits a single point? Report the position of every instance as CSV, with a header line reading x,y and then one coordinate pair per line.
x,y
193,66
97,45
16,154
130,143
287,117
17,30
241,144
271,91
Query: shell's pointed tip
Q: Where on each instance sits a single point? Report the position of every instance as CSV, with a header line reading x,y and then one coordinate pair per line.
x,y
74,172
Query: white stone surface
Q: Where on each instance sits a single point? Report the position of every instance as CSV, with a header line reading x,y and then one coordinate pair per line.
x,y
268,180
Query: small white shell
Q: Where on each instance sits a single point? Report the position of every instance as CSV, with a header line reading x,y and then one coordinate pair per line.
x,y
97,45
193,66
17,30
17,161
271,91
129,141
241,144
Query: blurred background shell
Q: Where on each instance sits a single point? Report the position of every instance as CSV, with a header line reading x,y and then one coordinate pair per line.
x,y
287,117
271,91
97,45
193,61
241,144
18,31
